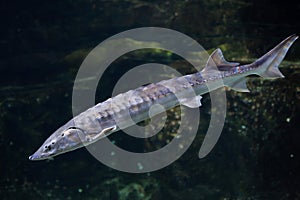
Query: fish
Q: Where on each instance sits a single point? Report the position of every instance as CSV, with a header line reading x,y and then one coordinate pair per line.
x,y
112,115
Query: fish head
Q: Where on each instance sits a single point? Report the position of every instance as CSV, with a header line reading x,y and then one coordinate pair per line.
x,y
65,139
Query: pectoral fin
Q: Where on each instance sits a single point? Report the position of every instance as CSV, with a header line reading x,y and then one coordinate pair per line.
x,y
193,102
105,132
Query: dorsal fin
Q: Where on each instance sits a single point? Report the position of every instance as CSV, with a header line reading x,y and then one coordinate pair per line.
x,y
217,59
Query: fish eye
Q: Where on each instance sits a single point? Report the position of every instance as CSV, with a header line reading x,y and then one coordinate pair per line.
x,y
72,127
71,131
75,128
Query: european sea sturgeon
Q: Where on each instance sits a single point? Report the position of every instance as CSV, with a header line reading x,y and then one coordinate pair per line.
x,y
107,117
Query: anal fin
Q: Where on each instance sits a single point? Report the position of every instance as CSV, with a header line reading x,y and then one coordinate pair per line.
x,y
239,85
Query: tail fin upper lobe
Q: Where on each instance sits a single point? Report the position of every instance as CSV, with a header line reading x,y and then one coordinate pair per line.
x,y
268,64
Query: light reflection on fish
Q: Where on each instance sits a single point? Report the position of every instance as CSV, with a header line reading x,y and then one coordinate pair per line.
x,y
107,117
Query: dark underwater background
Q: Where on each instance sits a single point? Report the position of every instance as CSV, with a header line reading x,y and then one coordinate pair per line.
x,y
42,45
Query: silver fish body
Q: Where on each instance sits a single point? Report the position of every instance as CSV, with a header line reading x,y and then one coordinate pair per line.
x,y
133,106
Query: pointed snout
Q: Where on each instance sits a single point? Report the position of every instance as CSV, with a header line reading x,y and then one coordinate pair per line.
x,y
34,157
31,157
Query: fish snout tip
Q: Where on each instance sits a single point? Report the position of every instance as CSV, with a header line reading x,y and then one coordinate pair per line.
x,y
33,157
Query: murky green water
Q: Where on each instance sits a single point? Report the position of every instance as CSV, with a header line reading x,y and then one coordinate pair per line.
x,y
42,47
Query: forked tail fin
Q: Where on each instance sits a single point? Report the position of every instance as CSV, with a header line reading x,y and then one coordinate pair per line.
x,y
268,64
